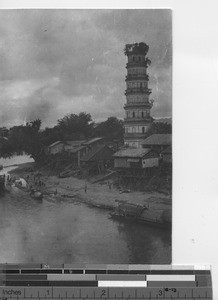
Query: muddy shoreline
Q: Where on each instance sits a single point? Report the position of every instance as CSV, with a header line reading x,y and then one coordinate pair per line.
x,y
101,195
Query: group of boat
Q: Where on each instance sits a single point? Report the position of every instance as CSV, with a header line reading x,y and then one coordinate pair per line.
x,y
6,184
23,185
142,214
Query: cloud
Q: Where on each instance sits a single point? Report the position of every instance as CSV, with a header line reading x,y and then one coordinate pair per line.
x,y
55,62
26,100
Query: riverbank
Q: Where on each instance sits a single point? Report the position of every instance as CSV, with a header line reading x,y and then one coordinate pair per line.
x,y
102,195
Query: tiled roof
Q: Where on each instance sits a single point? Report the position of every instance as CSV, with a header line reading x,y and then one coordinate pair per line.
x,y
75,143
158,139
132,152
93,140
55,143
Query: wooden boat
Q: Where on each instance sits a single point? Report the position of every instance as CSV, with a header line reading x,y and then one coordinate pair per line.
x,y
22,185
36,194
142,214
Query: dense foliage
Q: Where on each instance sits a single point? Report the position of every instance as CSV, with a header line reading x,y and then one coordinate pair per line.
x,y
112,129
33,141
160,128
137,48
23,138
76,126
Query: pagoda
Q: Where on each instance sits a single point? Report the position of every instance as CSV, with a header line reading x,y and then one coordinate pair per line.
x,y
137,119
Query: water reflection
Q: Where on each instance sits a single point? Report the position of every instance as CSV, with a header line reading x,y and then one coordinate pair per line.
x,y
63,232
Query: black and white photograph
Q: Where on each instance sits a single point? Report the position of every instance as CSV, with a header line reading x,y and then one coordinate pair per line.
x,y
86,136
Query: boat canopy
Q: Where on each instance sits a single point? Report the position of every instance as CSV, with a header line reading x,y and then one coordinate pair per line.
x,y
22,182
131,209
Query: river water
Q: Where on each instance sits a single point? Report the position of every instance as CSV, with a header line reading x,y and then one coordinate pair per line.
x,y
66,232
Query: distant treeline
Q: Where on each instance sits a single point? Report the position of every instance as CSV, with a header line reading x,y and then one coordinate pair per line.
x,y
32,140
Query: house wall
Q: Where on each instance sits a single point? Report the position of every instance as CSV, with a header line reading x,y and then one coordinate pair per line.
x,y
56,148
101,160
121,162
150,162
134,144
104,154
82,152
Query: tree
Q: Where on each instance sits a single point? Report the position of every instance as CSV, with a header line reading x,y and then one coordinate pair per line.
x,y
137,48
76,126
112,128
24,139
160,127
50,135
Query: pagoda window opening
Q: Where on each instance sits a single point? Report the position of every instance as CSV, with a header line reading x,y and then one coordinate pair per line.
x,y
143,129
133,58
133,114
142,115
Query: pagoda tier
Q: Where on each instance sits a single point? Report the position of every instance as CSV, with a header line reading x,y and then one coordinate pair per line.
x,y
131,77
130,91
138,105
136,121
137,136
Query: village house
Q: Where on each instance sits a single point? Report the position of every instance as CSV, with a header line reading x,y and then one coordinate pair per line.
x,y
136,158
93,143
158,142
98,159
56,147
76,149
71,145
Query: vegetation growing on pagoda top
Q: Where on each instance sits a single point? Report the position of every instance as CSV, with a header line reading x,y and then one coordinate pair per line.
x,y
137,48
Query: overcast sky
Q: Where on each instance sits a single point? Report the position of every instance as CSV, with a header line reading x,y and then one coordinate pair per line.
x,y
56,62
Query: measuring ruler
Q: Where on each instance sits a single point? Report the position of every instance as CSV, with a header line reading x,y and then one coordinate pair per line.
x,y
104,282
